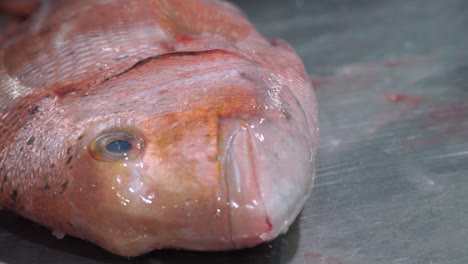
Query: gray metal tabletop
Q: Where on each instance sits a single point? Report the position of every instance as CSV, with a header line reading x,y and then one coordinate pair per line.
x,y
392,187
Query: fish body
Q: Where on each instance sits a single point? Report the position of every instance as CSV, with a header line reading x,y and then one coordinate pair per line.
x,y
149,124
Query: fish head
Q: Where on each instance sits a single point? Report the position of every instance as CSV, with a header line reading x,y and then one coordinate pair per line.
x,y
215,154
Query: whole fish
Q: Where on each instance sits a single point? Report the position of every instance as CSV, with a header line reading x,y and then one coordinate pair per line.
x,y
149,124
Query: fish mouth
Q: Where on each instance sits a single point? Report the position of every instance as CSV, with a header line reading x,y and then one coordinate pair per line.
x,y
267,172
249,223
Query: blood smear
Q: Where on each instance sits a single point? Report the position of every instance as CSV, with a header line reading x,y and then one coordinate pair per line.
x,y
402,98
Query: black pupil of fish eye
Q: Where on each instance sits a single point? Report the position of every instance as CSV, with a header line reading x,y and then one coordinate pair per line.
x,y
119,146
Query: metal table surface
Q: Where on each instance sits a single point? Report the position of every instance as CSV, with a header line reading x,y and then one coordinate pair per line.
x,y
392,186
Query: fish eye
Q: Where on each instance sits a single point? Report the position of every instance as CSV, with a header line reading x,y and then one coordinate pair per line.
x,y
116,145
119,146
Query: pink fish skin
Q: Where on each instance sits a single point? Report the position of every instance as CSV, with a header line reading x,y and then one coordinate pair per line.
x,y
149,124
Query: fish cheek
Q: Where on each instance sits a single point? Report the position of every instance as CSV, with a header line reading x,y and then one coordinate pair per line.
x,y
182,160
183,156
116,199
92,194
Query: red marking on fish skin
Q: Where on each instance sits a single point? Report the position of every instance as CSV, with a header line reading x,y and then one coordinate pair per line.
x,y
313,257
63,91
184,39
403,98
269,226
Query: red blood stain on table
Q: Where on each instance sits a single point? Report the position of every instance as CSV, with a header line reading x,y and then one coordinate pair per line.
x,y
449,113
403,98
451,122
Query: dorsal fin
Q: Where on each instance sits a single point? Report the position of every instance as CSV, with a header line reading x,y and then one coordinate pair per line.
x,y
183,17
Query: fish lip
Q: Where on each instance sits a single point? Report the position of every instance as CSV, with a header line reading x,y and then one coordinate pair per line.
x,y
248,222
273,179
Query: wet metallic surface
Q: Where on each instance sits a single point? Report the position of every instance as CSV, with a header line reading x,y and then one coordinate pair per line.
x,y
392,180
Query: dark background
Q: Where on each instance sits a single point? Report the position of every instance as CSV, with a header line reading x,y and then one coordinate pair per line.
x,y
392,186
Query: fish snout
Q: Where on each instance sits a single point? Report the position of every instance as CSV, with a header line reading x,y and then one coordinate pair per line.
x,y
211,161
246,177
